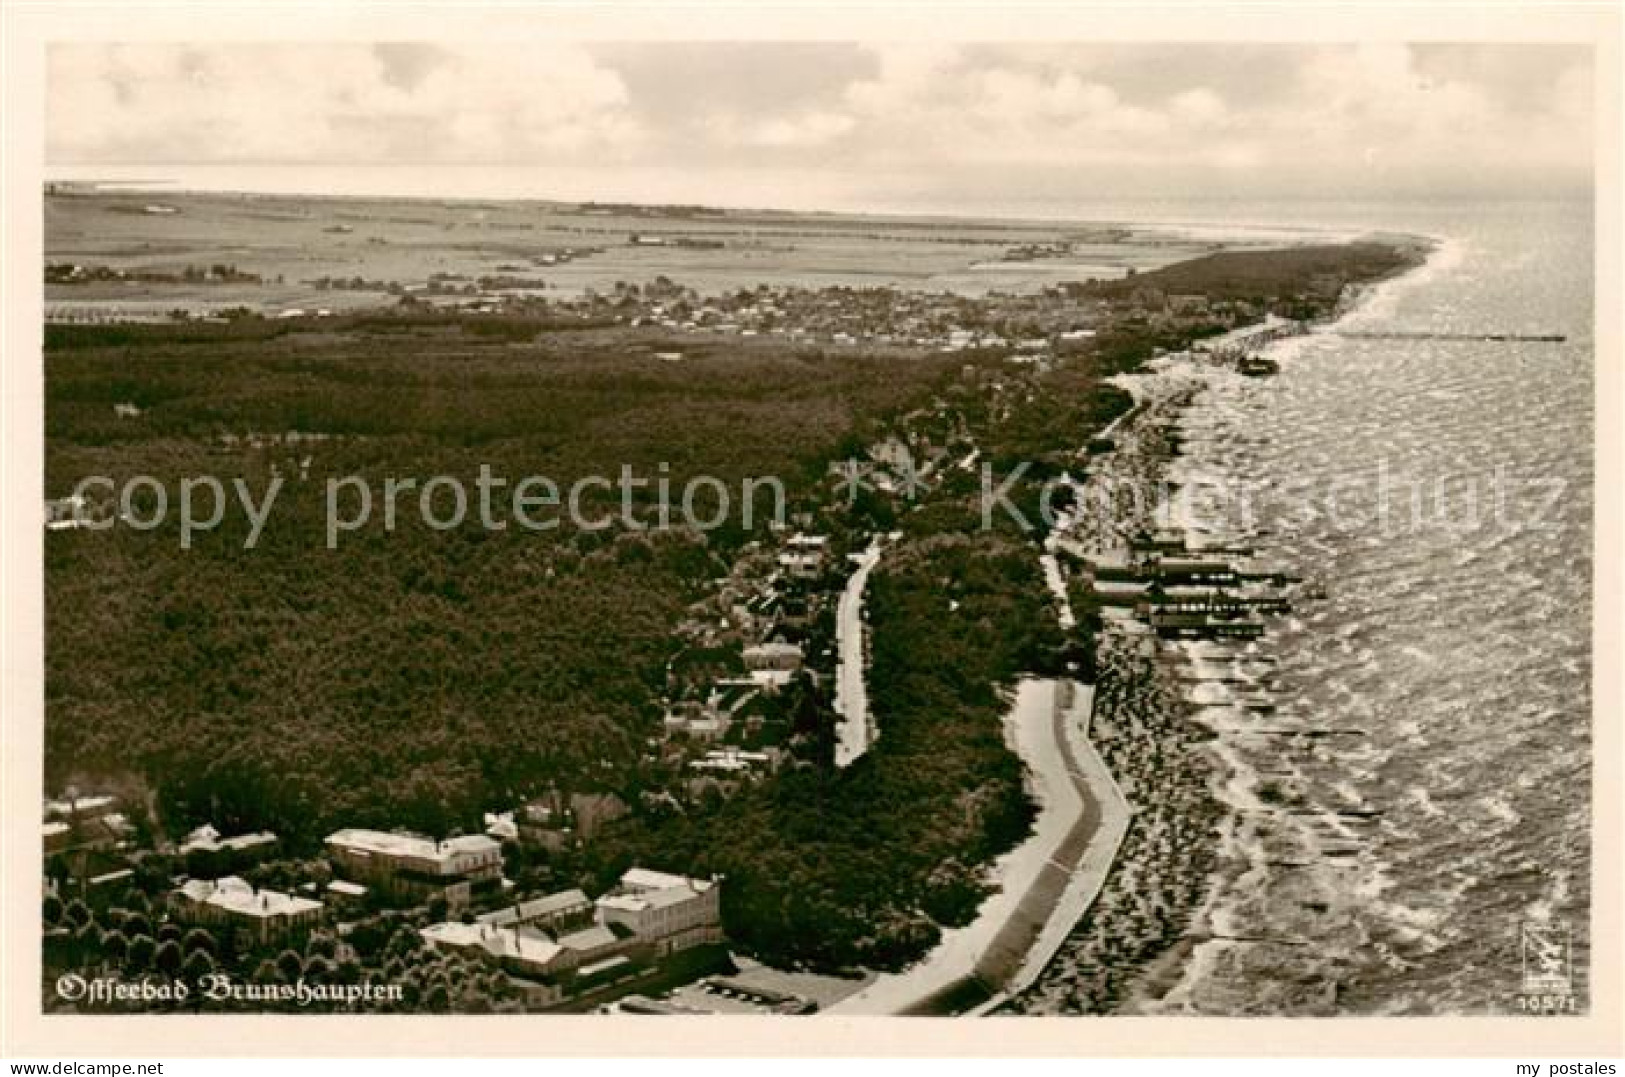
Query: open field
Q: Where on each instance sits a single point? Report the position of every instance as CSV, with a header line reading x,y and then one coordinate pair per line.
x,y
565,248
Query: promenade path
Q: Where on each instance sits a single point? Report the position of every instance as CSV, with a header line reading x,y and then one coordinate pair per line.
x,y
1045,884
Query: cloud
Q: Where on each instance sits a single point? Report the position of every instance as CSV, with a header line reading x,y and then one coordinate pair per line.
x,y
1309,119
336,103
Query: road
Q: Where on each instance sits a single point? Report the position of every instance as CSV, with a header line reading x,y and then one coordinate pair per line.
x,y
851,696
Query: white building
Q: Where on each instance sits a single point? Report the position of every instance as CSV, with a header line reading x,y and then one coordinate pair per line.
x,y
412,865
232,902
772,664
672,912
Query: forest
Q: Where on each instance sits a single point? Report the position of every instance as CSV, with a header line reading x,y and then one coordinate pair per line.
x,y
410,678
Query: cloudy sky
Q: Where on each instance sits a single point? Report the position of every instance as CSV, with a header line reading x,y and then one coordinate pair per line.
x,y
724,123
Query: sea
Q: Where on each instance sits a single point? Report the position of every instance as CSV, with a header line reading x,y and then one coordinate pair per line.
x,y
1410,812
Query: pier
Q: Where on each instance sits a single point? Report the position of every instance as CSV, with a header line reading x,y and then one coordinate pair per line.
x,y
1355,334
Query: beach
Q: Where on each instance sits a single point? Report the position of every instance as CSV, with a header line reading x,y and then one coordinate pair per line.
x,y
1141,729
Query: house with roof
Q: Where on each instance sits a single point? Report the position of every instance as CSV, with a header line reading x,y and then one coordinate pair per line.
x,y
82,823
554,820
562,911
701,719
803,556
536,965
773,663
208,853
266,915
66,513
413,867
554,955
670,912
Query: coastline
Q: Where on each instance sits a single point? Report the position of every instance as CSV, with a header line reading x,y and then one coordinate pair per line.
x,y
1140,730
1136,944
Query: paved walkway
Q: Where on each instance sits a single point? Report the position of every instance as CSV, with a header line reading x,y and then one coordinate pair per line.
x,y
1045,884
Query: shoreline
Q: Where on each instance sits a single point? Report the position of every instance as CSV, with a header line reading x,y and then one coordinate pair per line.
x,y
1136,945
1141,730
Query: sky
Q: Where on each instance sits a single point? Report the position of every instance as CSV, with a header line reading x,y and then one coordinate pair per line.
x,y
843,124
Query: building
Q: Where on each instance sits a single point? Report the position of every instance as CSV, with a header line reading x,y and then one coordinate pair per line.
x,y
544,969
266,915
58,836
772,664
555,912
66,513
413,867
502,826
207,853
85,823
346,895
523,951
733,761
594,943
803,556
701,720
555,821
552,947
73,808
670,912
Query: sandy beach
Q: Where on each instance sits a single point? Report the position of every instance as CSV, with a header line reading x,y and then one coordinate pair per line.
x,y
1155,754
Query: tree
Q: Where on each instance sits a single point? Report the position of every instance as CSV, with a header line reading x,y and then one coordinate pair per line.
x,y
290,966
198,965
439,907
167,958
321,944
115,945
404,941
142,949
86,941
198,939
51,910
78,913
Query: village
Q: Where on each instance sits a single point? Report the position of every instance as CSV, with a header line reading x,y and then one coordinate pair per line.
x,y
883,320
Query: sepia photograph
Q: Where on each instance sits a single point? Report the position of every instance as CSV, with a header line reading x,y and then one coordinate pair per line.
x,y
861,523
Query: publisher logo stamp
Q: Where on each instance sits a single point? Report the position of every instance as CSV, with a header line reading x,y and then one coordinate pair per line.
x,y
1547,984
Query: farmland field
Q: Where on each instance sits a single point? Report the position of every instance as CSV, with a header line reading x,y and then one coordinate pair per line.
x,y
566,249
